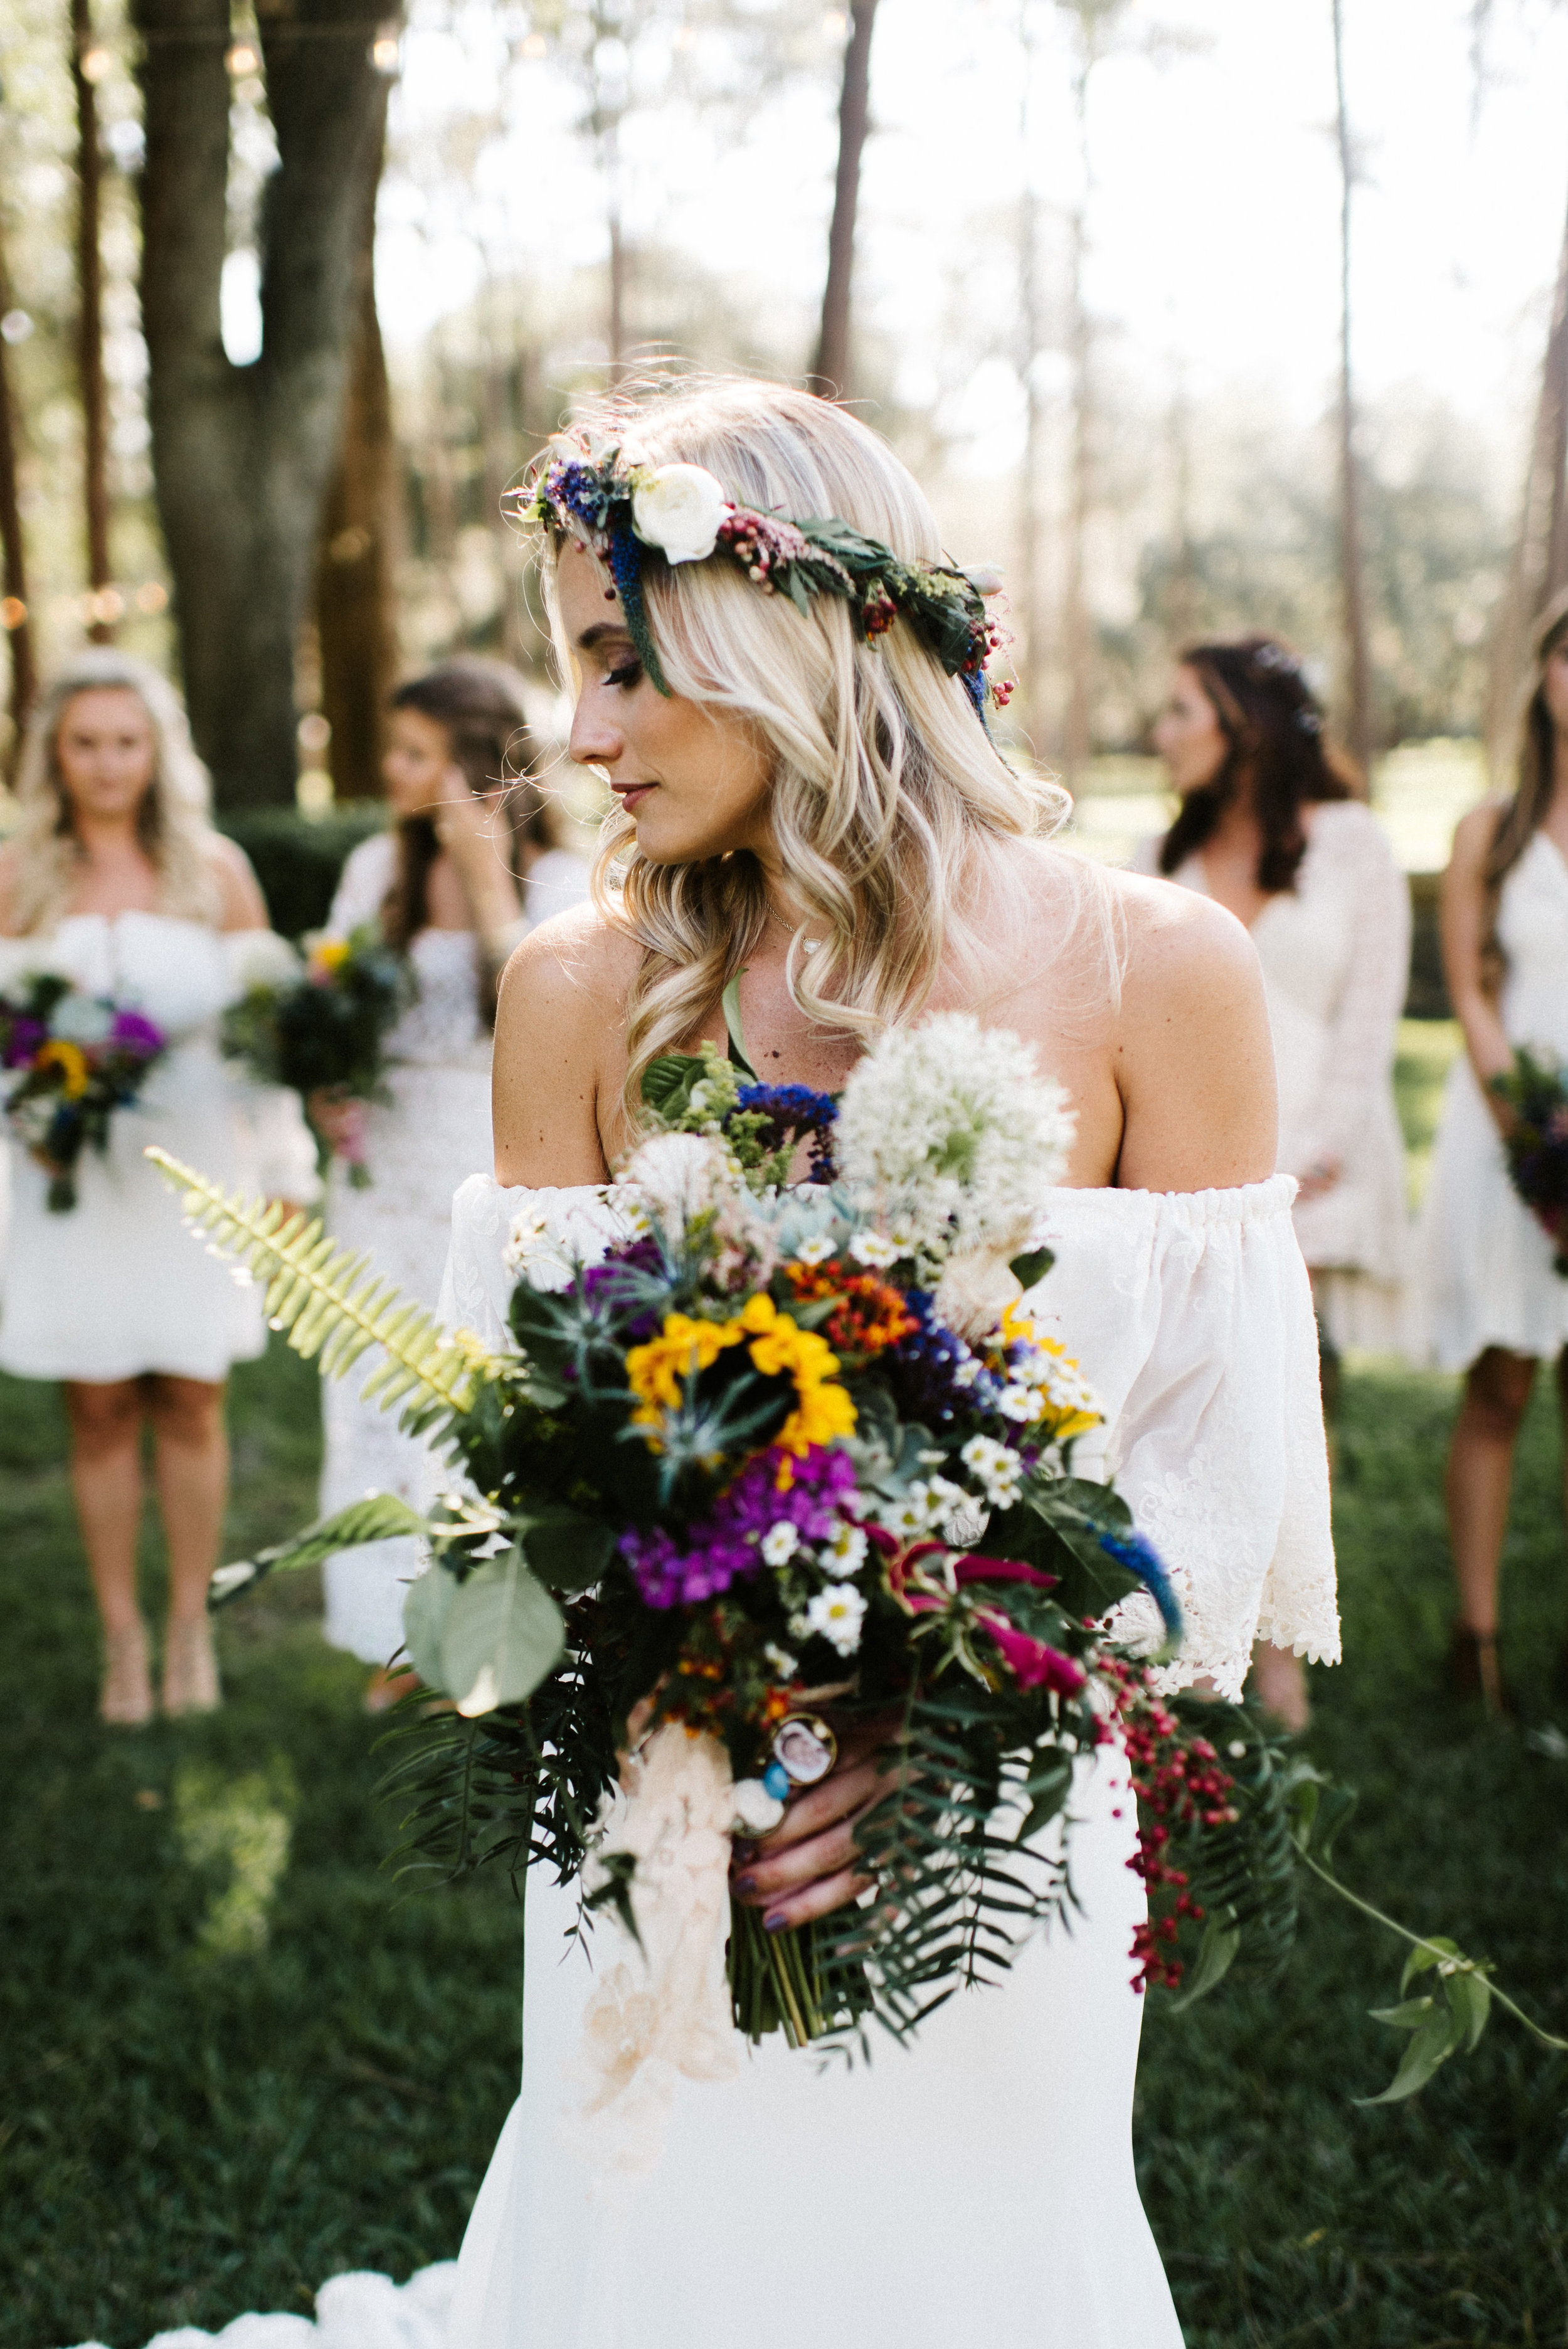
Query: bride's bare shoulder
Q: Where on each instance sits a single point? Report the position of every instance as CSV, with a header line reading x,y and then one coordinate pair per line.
x,y
1159,934
579,966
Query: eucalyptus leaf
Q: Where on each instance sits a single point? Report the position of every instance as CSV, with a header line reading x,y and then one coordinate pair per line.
x,y
567,1551
1222,1939
1032,1266
1432,2044
501,1634
425,1605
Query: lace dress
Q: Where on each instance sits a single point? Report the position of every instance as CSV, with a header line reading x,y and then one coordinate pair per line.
x,y
1483,1264
1336,956
116,1287
434,1133
978,2188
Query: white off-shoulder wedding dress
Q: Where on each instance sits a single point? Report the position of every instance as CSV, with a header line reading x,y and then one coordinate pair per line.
x,y
976,2189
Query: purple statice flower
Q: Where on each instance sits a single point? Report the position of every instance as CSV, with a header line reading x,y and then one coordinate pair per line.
x,y
792,1110
23,1041
134,1032
728,1544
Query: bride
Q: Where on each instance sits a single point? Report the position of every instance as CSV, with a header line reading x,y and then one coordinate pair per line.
x,y
815,806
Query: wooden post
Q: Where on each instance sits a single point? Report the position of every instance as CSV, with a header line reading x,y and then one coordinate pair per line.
x,y
17,620
830,374
89,328
1358,666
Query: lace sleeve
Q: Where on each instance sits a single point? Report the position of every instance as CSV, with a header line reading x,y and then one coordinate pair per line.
x,y
501,1235
1192,1314
1366,1018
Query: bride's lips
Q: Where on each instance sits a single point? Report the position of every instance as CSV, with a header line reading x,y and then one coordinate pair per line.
x,y
632,795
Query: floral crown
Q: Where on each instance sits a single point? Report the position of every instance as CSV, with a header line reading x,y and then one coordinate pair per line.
x,y
627,509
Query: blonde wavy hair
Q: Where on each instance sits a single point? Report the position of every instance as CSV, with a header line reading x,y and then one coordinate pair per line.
x,y
890,803
172,821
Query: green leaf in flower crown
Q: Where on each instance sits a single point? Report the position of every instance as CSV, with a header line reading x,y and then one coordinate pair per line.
x,y
1216,1952
567,1551
502,1632
1431,2043
381,1517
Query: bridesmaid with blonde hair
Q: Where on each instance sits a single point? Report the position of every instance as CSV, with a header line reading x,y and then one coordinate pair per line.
x,y
115,878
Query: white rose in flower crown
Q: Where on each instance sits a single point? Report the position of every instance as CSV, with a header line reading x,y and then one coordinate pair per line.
x,y
678,509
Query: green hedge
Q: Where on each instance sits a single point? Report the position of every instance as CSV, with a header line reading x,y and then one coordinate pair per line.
x,y
297,859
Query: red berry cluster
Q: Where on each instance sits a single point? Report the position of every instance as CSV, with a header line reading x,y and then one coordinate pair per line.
x,y
1180,1783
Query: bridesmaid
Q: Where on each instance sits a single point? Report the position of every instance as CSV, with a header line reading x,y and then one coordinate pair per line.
x,y
1490,1302
115,877
1268,827
470,863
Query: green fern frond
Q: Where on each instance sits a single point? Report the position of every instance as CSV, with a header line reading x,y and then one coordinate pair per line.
x,y
331,1301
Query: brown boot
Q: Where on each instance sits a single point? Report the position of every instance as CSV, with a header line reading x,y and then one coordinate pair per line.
x,y
1475,1671
190,1669
127,1698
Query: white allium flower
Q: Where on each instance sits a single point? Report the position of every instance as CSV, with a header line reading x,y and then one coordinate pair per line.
x,y
874,1250
814,1251
756,1810
949,1131
998,1472
837,1613
678,509
780,1543
847,1550
558,1231
677,1177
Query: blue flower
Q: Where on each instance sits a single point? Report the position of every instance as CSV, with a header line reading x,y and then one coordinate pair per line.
x,y
1140,1558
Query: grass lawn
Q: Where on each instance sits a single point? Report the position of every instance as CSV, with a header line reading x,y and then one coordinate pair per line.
x,y
233,2060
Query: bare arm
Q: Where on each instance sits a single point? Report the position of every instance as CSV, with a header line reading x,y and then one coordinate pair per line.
x,y
1465,922
559,1051
470,830
1194,1063
244,908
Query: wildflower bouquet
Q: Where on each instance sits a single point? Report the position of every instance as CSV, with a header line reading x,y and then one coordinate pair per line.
x,y
324,1030
1537,1144
70,1060
769,1468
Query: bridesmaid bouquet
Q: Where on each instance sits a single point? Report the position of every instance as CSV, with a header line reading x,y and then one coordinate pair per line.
x,y
322,1029
1537,1145
71,1061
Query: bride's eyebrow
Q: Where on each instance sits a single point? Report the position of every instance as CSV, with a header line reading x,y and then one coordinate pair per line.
x,y
601,632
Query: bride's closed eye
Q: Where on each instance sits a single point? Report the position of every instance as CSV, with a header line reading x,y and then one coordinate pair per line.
x,y
628,674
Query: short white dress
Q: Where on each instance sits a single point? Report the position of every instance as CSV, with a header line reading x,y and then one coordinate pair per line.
x,y
1483,1264
433,1134
1336,957
978,2189
116,1287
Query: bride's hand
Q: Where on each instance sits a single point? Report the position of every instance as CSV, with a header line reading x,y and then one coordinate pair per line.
x,y
807,1865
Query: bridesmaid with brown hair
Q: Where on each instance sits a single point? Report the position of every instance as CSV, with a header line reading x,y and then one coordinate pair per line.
x,y
471,862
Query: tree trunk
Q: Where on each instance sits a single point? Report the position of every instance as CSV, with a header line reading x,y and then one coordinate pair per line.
x,y
1358,667
830,373
17,620
1538,565
242,455
89,324
353,601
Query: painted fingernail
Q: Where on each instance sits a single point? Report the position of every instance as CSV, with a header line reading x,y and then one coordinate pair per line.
x,y
776,1922
745,1852
745,1884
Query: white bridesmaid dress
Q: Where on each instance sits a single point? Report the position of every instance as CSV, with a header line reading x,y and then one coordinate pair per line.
x,y
1483,1264
433,1133
115,1287
1336,957
978,2189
